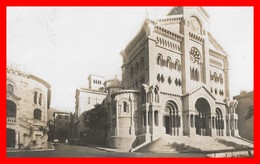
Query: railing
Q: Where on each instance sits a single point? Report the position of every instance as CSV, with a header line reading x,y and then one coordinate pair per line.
x,y
14,120
11,120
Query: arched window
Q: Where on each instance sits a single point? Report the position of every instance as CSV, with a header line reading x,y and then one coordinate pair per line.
x,y
159,59
219,122
177,65
221,79
125,107
196,75
37,114
168,62
192,74
215,76
156,93
158,77
35,97
10,88
162,78
195,25
40,99
169,80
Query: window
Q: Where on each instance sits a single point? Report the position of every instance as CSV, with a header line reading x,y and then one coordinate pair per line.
x,y
221,79
125,107
88,100
40,99
168,62
37,114
162,78
158,77
35,97
169,80
195,55
156,95
10,88
159,60
156,118
177,65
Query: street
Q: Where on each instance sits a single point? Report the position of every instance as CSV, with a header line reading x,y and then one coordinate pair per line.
x,y
64,150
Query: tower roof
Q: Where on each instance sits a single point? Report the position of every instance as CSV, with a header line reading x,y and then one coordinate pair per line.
x,y
115,84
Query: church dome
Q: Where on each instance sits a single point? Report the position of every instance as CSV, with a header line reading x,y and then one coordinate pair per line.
x,y
115,84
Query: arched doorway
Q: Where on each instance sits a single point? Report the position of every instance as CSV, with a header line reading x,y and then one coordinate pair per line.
x,y
10,138
11,108
202,117
219,122
171,118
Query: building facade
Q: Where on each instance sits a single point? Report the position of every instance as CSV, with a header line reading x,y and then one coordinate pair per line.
x,y
86,99
175,82
27,100
245,111
62,126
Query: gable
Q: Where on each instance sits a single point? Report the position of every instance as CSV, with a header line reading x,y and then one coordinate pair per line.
x,y
215,46
200,88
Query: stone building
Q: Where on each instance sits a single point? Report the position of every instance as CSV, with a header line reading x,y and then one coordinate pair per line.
x,y
27,100
86,99
175,82
62,126
245,111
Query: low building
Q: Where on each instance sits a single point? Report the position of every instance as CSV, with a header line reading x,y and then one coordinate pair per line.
x,y
62,126
28,98
245,111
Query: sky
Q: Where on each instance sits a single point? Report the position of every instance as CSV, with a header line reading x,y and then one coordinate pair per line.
x,y
63,45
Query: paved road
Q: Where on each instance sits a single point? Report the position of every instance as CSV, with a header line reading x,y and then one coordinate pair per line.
x,y
64,150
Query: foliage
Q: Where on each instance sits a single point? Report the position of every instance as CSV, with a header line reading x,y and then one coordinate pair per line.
x,y
250,113
96,118
96,125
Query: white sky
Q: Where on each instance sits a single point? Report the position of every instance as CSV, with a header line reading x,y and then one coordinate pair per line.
x,y
64,45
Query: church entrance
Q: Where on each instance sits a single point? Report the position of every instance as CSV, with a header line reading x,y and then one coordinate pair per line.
x,y
202,117
167,124
171,118
10,138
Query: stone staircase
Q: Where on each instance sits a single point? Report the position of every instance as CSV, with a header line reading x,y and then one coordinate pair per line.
x,y
196,143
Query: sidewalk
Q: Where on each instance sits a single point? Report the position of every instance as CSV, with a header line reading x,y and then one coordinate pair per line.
x,y
49,147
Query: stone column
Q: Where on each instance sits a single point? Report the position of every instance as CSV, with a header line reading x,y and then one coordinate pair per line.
x,y
146,123
152,120
132,129
117,128
16,140
25,139
38,140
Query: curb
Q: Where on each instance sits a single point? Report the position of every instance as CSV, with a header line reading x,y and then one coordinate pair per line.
x,y
22,150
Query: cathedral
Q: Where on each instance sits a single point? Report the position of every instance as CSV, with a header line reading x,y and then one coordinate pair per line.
x,y
175,82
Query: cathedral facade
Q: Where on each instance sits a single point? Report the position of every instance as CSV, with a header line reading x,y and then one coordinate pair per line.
x,y
174,82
